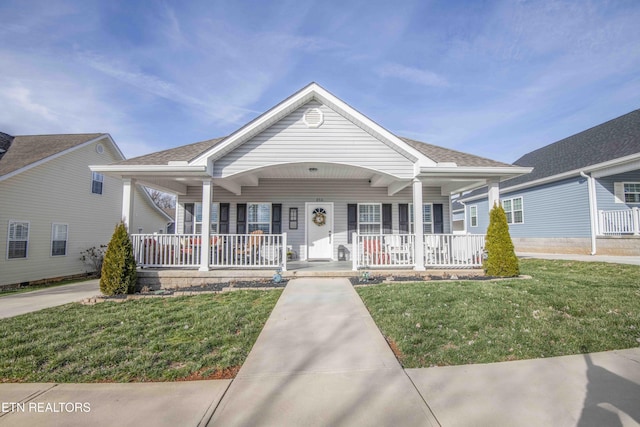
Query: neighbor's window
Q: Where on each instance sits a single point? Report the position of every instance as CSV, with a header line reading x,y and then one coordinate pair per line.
x,y
59,233
214,218
473,214
97,180
427,218
18,240
514,211
259,217
632,192
369,218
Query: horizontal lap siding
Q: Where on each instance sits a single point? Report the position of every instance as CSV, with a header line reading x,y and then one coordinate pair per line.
x,y
294,194
560,209
337,140
58,191
605,192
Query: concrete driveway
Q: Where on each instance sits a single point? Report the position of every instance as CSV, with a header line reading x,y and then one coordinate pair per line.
x,y
16,304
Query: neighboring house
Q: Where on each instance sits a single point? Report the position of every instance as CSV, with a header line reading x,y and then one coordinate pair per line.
x,y
314,176
52,207
457,217
582,196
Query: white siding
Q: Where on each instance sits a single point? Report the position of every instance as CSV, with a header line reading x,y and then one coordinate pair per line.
x,y
59,191
337,141
294,194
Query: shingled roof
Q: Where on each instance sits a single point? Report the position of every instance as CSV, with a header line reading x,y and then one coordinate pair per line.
x,y
445,155
5,142
191,151
27,149
611,140
182,153
617,138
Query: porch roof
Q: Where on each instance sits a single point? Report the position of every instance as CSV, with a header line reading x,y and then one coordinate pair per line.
x,y
174,169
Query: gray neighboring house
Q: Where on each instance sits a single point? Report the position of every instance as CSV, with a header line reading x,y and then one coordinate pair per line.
x,y
314,176
583,195
52,207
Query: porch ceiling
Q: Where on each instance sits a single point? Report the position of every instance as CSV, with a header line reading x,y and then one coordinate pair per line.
x,y
310,170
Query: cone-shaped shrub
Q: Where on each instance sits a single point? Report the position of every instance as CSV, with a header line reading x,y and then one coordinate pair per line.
x,y
119,267
501,259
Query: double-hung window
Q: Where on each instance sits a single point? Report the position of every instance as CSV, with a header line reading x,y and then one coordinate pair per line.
x,y
632,192
369,218
18,239
97,181
259,217
514,211
427,218
473,215
214,218
59,235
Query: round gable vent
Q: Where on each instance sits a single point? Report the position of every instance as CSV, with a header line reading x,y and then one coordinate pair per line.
x,y
99,148
313,117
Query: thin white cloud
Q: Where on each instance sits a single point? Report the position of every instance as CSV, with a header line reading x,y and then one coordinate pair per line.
x,y
413,75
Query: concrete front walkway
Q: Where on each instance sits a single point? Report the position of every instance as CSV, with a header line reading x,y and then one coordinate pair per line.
x,y
26,302
321,361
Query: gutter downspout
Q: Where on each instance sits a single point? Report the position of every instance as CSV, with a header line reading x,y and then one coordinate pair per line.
x,y
593,214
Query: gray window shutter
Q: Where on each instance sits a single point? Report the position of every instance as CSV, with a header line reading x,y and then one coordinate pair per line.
x,y
618,192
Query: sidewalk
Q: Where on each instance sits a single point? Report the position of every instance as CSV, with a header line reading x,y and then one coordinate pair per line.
x,y
321,361
26,302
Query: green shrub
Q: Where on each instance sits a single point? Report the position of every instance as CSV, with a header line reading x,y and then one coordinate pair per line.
x,y
119,267
501,260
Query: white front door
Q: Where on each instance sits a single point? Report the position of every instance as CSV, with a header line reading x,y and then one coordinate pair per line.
x,y
319,219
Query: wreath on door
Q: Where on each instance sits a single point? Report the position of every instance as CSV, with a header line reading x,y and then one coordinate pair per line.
x,y
319,217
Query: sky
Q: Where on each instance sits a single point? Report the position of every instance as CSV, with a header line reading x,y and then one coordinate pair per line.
x,y
492,78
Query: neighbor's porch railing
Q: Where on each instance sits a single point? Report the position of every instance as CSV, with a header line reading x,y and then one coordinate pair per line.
x,y
398,250
619,222
227,250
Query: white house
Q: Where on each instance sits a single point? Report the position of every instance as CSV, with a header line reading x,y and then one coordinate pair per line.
x,y
315,177
52,207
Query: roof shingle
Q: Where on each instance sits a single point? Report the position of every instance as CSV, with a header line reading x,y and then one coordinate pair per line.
x,y
611,140
27,149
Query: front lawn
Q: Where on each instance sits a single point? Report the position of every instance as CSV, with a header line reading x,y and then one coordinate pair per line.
x,y
163,339
566,308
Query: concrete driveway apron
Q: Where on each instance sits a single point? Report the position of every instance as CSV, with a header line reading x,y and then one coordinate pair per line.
x,y
321,361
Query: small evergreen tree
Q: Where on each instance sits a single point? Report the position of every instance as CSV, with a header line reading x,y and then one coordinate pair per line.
x,y
501,258
119,266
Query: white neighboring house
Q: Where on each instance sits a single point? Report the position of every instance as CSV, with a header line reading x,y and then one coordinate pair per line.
x,y
52,207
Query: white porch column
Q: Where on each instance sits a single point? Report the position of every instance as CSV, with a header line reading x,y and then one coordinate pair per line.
x,y
418,227
493,193
128,190
205,250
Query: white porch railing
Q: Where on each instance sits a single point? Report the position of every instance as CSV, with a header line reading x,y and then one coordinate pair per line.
x,y
227,250
453,250
383,250
398,250
619,222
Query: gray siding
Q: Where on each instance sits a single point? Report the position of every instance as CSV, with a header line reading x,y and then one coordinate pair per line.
x,y
296,193
337,141
559,209
605,192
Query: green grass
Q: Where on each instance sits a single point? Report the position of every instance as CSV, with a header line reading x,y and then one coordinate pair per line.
x,y
566,308
159,339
